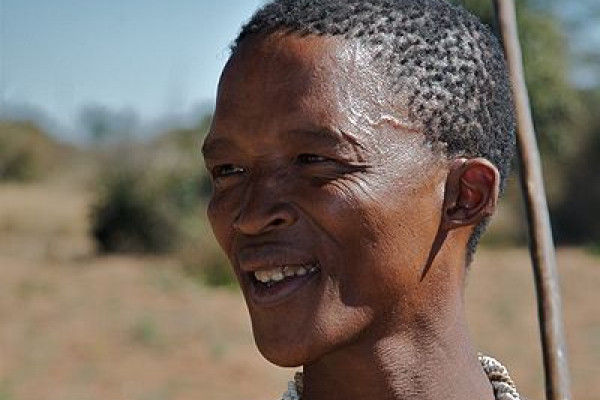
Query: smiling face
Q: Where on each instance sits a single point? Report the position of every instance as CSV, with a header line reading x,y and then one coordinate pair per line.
x,y
326,199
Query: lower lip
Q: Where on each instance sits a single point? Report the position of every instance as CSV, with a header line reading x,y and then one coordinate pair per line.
x,y
280,292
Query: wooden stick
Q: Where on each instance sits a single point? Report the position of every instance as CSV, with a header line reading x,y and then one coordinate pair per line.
x,y
540,233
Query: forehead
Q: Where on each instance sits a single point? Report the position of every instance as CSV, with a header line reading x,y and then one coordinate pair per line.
x,y
329,72
285,60
286,82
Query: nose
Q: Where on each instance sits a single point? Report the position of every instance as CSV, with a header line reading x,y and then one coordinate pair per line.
x,y
264,209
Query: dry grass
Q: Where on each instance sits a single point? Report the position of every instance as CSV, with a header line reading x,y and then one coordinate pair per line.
x,y
502,310
44,221
76,326
122,328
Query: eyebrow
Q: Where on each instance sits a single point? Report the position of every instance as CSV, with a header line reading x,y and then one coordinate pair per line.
x,y
328,136
321,135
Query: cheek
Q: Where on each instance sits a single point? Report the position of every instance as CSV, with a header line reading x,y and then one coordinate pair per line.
x,y
220,217
383,231
365,212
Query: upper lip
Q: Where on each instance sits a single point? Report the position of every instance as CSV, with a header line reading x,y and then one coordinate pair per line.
x,y
268,256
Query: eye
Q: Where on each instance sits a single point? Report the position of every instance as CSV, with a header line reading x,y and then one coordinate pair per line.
x,y
225,170
311,159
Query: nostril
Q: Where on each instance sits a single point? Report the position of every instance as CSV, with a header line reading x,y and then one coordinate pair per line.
x,y
255,221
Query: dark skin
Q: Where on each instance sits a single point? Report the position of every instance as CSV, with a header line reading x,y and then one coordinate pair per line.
x,y
312,165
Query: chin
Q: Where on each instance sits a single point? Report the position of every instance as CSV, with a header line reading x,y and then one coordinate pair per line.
x,y
284,359
293,348
283,353
298,347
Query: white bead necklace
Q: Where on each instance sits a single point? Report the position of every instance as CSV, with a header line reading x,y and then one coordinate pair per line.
x,y
503,385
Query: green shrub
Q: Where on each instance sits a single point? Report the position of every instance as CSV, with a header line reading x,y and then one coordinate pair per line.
x,y
151,198
202,259
146,192
128,216
210,268
26,153
145,332
576,216
593,248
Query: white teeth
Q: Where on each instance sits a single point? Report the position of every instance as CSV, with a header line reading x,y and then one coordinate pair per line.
x,y
279,273
262,276
277,276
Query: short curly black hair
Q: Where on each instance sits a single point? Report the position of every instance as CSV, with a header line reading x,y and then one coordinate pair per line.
x,y
444,59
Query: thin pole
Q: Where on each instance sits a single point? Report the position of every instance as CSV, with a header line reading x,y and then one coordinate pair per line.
x,y
540,233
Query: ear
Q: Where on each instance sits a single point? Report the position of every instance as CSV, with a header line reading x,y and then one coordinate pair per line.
x,y
471,194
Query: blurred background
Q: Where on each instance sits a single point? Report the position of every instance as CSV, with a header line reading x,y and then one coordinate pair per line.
x,y
112,285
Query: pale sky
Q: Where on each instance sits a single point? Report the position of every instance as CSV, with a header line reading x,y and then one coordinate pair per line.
x,y
152,56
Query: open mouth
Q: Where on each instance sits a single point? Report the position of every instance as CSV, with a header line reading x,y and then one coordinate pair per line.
x,y
276,284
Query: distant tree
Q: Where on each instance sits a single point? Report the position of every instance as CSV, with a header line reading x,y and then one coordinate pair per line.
x,y
580,19
150,194
102,123
577,216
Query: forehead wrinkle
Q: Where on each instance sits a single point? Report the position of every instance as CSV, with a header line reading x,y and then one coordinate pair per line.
x,y
330,136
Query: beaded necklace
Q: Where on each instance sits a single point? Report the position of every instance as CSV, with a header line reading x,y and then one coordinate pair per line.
x,y
503,385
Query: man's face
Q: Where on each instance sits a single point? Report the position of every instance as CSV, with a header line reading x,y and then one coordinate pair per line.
x,y
326,199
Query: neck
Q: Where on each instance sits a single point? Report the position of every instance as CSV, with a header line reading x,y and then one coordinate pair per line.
x,y
437,362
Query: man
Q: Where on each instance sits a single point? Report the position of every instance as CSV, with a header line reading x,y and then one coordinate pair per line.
x,y
357,151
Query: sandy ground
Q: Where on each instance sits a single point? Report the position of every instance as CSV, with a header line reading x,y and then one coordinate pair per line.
x,y
74,326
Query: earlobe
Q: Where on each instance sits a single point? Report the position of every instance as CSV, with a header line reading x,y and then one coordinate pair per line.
x,y
471,194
